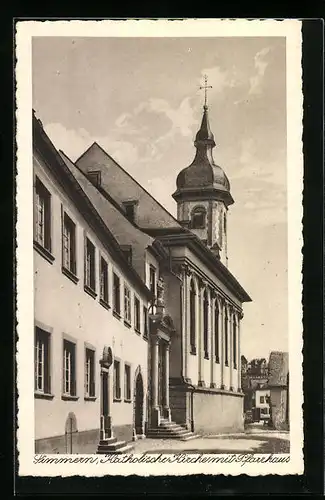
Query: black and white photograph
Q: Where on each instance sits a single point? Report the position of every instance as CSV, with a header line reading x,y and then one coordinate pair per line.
x,y
159,236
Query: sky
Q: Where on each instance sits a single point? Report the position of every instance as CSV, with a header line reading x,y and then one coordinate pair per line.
x,y
139,98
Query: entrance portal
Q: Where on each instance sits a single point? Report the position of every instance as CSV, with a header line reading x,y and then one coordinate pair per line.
x,y
138,405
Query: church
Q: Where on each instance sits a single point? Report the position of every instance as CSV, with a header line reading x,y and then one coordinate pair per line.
x,y
138,307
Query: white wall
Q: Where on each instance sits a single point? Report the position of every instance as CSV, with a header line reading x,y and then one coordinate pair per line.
x,y
66,308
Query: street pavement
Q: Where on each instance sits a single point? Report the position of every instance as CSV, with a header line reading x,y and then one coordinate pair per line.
x,y
255,439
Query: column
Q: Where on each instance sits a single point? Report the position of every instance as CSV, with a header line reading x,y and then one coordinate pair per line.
x,y
154,382
240,316
231,353
166,395
212,343
222,340
185,324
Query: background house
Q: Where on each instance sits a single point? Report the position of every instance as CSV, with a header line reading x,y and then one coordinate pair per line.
x,y
278,384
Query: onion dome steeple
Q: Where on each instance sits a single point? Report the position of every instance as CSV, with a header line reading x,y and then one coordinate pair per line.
x,y
203,191
203,174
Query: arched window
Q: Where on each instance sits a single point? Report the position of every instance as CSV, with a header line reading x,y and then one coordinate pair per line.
x,y
216,331
225,223
234,340
198,219
192,318
226,338
205,324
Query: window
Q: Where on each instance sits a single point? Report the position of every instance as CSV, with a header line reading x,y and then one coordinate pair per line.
x,y
216,331
127,382
116,295
225,223
226,338
205,324
103,280
69,245
192,318
262,399
89,373
42,215
152,280
130,209
117,380
95,178
198,218
145,322
127,304
42,361
69,368
234,343
90,280
137,314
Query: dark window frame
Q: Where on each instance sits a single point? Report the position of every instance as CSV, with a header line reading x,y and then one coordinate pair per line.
x,y
90,280
198,218
137,309
103,281
117,380
41,192
206,325
216,332
127,382
43,337
116,295
68,223
90,392
70,347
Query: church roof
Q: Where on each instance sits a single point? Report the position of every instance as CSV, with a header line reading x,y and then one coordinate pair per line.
x,y
204,175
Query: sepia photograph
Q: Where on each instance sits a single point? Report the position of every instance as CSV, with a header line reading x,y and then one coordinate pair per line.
x,y
160,204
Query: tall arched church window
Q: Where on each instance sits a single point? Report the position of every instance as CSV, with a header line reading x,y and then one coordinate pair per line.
x,y
192,318
205,324
234,340
226,339
198,218
216,332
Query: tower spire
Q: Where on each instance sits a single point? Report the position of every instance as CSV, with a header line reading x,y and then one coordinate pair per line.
x,y
205,87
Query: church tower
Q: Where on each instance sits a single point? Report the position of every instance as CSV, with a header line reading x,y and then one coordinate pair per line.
x,y
203,192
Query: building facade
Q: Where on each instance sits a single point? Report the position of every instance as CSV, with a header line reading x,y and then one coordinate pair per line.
x,y
91,329
137,316
202,297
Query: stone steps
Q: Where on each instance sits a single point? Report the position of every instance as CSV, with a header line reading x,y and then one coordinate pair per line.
x,y
113,446
171,430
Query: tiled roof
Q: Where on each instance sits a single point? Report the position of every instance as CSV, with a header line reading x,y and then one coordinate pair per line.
x,y
278,368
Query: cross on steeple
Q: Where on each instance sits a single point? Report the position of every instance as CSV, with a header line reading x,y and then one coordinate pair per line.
x,y
205,87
